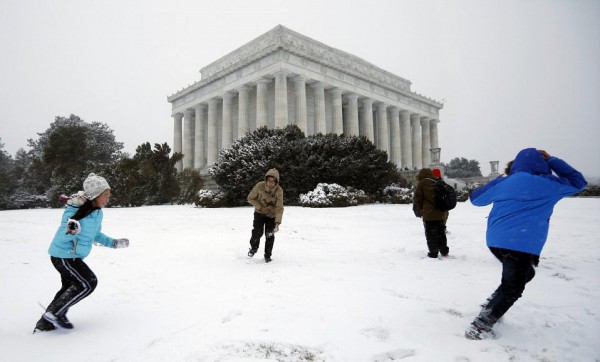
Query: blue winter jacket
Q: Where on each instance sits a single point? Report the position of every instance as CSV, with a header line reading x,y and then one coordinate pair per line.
x,y
524,201
67,246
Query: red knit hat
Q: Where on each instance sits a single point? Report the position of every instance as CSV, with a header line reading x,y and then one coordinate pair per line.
x,y
437,173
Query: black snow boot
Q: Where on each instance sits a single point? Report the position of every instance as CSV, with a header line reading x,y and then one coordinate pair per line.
x,y
43,326
59,321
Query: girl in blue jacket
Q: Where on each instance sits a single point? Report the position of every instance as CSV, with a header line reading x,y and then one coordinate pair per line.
x,y
518,225
80,227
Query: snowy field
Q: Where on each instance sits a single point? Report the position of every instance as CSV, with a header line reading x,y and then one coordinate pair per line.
x,y
349,284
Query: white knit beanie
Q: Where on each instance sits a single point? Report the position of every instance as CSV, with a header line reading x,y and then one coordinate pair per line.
x,y
94,186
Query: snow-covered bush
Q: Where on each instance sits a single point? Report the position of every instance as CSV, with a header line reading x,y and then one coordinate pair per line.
x,y
207,198
396,194
333,195
303,162
462,195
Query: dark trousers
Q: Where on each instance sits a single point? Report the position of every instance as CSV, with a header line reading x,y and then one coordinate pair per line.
x,y
78,282
435,233
263,224
517,271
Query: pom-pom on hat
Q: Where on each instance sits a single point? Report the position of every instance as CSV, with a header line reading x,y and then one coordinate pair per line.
x,y
94,185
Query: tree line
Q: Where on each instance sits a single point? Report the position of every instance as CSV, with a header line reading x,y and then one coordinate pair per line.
x,y
61,157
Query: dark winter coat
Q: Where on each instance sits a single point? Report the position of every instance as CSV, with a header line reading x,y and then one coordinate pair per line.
x,y
66,246
267,201
524,201
424,197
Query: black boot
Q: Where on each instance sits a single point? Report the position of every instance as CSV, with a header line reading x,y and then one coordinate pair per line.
x,y
43,326
59,321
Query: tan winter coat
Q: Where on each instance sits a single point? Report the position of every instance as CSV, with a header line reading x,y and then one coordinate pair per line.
x,y
266,201
424,197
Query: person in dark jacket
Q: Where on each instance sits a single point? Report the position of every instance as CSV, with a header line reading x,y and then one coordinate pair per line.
x,y
518,224
434,220
267,199
80,228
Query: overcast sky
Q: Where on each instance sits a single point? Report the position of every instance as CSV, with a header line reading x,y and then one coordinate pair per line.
x,y
511,73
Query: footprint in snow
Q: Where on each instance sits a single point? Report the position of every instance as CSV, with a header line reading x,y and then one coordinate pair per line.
x,y
378,333
394,355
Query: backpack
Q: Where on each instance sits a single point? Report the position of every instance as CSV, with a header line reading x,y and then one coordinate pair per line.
x,y
445,196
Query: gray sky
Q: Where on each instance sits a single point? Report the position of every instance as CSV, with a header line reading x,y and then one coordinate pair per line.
x,y
512,73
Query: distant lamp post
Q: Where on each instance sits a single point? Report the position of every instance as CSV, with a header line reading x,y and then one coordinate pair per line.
x,y
435,160
494,169
435,155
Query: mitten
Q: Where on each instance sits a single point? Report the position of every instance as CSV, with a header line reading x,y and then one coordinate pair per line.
x,y
276,229
73,227
120,243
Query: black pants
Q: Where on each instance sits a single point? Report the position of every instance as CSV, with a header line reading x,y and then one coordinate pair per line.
x,y
263,224
517,271
435,233
78,281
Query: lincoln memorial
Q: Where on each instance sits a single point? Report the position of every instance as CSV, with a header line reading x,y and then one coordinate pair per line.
x,y
283,77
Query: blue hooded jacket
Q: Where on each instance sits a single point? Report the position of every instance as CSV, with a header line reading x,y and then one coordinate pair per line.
x,y
523,202
66,246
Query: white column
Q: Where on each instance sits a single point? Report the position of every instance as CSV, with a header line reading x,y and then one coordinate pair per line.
x,y
227,130
199,153
301,115
320,125
261,103
338,122
383,136
368,119
177,135
425,141
395,136
281,104
405,144
433,130
353,126
242,111
188,138
415,126
212,144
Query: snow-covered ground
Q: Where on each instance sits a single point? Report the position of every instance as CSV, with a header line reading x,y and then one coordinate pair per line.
x,y
349,284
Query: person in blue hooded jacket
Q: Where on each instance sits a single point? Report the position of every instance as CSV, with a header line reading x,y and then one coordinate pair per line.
x,y
518,224
79,229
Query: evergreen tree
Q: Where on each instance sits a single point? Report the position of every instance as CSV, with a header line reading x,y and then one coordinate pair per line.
x,y
461,167
157,173
62,157
8,182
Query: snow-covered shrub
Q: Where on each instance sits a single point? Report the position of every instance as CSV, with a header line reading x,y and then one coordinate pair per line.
x,y
207,198
333,195
463,194
190,184
303,162
396,194
25,200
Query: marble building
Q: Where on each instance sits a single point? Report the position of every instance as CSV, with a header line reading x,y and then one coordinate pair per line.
x,y
283,77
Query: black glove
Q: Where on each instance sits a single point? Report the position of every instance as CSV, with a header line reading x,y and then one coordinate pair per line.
x,y
417,211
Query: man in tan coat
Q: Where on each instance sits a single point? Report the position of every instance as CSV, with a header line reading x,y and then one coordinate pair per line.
x,y
434,220
267,199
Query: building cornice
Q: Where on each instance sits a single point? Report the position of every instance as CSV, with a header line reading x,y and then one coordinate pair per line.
x,y
283,38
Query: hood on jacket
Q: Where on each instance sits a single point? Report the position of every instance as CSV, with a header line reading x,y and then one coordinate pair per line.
x,y
530,160
274,173
425,173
